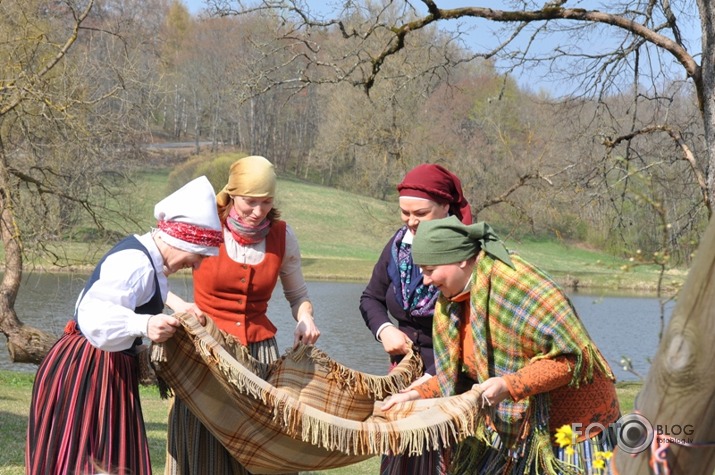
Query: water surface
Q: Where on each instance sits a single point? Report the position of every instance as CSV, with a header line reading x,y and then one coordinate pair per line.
x,y
620,325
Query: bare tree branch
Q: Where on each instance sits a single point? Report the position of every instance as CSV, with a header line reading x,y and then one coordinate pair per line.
x,y
22,90
677,137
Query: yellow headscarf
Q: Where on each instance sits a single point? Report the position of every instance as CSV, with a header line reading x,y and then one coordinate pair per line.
x,y
250,176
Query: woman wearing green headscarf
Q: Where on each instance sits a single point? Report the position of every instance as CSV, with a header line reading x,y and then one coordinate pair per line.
x,y
505,325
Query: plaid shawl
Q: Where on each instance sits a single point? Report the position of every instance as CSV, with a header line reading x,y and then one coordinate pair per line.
x,y
517,315
305,411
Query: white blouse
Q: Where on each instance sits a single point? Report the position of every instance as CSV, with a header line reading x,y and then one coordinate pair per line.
x,y
126,281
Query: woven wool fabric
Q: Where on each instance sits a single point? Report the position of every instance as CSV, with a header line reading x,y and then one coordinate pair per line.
x,y
516,316
305,411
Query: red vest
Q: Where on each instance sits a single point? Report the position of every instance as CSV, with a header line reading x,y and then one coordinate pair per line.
x,y
236,295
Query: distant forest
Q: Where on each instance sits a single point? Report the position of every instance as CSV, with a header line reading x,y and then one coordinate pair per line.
x,y
535,163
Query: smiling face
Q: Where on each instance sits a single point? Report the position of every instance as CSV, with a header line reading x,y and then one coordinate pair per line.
x,y
252,210
415,210
450,279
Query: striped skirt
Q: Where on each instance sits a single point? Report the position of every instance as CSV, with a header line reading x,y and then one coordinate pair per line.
x,y
191,448
586,455
428,463
581,458
85,415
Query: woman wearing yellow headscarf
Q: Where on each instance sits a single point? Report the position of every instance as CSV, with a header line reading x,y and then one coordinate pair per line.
x,y
233,289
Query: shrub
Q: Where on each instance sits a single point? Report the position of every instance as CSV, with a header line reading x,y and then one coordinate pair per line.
x,y
215,168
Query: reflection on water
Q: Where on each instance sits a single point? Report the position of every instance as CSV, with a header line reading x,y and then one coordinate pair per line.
x,y
621,326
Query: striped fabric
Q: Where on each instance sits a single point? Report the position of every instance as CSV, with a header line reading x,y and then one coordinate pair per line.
x,y
584,453
86,416
579,459
431,462
306,411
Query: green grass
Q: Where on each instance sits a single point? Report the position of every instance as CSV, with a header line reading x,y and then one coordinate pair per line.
x,y
336,224
577,267
16,391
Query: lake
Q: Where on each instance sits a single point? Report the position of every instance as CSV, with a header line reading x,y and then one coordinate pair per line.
x,y
620,325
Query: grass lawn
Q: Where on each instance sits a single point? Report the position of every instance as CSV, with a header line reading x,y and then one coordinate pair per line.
x,y
15,394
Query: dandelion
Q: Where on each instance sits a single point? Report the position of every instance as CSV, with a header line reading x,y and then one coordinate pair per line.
x,y
599,459
564,436
606,455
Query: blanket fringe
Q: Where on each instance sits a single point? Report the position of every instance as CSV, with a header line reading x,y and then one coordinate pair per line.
x,y
439,424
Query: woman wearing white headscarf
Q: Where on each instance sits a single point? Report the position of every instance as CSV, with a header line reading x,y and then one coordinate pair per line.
x,y
85,414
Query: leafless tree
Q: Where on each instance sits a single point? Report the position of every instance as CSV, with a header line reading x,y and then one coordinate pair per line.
x,y
73,85
636,48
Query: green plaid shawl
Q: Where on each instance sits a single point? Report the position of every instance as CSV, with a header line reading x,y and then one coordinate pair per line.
x,y
518,315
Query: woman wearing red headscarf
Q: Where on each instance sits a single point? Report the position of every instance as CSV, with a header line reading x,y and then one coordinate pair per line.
x,y
395,289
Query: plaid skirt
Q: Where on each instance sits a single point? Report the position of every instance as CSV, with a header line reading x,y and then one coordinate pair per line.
x,y
85,414
191,448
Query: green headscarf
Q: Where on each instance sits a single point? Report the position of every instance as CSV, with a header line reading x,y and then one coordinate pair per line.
x,y
448,240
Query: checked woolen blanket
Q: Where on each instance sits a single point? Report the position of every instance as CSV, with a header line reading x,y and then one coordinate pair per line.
x,y
305,411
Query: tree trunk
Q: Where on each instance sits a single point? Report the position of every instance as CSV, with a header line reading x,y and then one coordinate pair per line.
x,y
707,92
677,395
24,343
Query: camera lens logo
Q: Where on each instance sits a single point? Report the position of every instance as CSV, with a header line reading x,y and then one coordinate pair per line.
x,y
634,433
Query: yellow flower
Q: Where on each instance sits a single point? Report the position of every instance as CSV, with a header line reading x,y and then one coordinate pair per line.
x,y
604,455
569,450
599,459
564,436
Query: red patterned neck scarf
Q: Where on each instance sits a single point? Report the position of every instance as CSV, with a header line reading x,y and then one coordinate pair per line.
x,y
243,232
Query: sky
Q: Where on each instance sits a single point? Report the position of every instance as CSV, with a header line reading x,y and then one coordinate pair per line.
x,y
481,34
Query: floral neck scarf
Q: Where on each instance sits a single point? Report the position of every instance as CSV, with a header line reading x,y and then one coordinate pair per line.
x,y
244,233
417,299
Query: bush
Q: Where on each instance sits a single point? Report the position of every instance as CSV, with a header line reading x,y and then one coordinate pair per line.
x,y
215,169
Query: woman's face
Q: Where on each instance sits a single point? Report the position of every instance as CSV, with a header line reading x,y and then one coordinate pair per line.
x,y
450,279
252,210
178,259
415,210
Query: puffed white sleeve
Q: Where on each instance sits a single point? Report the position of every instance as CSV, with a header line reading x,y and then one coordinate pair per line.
x,y
106,314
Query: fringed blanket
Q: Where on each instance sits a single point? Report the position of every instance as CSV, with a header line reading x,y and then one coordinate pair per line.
x,y
305,411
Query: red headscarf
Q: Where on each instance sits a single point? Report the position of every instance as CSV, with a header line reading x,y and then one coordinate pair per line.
x,y
436,183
